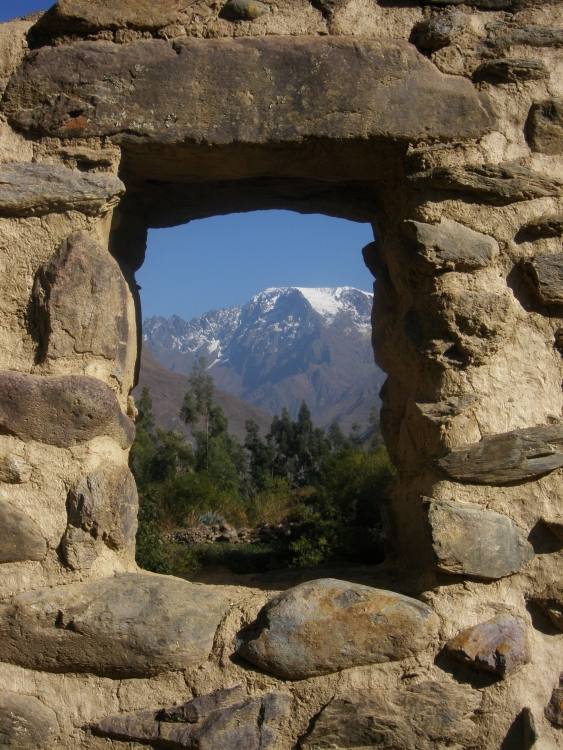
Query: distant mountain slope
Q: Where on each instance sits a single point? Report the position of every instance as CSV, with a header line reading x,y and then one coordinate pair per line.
x,y
285,345
167,392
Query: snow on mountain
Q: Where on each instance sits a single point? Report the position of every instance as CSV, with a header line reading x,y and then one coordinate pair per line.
x,y
285,345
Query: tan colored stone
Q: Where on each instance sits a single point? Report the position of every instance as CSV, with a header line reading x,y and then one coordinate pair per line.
x,y
20,539
14,469
25,723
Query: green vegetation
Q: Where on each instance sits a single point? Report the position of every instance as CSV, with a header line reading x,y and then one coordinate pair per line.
x,y
323,490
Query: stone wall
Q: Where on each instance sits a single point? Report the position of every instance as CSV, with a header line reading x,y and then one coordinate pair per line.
x,y
442,125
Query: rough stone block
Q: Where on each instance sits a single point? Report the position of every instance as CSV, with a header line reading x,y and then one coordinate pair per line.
x,y
550,601
73,293
503,36
61,410
544,127
512,71
20,538
328,625
473,542
83,16
14,470
450,246
554,710
550,225
438,31
498,645
244,10
131,625
425,716
37,189
25,723
226,719
102,509
545,273
555,525
349,88
499,184
509,457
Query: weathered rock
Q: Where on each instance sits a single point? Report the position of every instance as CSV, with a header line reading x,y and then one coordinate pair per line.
x,y
81,16
14,470
512,70
449,246
504,36
226,719
102,509
438,31
131,625
500,184
509,457
530,734
550,601
498,645
544,127
329,7
473,542
244,10
423,716
86,89
73,293
545,273
328,625
550,225
25,723
61,410
37,189
488,4
554,710
20,538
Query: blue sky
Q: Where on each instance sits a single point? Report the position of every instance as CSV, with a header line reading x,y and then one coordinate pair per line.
x,y
225,260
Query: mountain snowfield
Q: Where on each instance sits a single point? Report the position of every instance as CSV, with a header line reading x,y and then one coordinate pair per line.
x,y
285,345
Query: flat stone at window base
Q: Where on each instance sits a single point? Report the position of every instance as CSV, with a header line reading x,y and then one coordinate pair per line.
x,y
513,456
130,625
327,625
498,645
469,541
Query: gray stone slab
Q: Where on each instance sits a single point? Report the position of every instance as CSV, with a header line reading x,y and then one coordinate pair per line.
x,y
37,189
545,273
20,537
550,225
225,719
26,723
327,625
469,541
544,127
514,456
499,184
424,716
503,36
194,90
131,625
61,410
498,645
511,70
73,293
449,246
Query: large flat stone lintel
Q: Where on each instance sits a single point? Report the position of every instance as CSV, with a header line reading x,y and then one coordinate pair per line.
x,y
270,89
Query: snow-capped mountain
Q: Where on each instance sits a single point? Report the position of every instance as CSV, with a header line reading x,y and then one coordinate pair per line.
x,y
285,345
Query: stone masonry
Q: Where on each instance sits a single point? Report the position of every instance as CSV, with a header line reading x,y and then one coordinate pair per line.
x,y
440,122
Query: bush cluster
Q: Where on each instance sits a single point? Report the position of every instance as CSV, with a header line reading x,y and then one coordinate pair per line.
x,y
327,485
